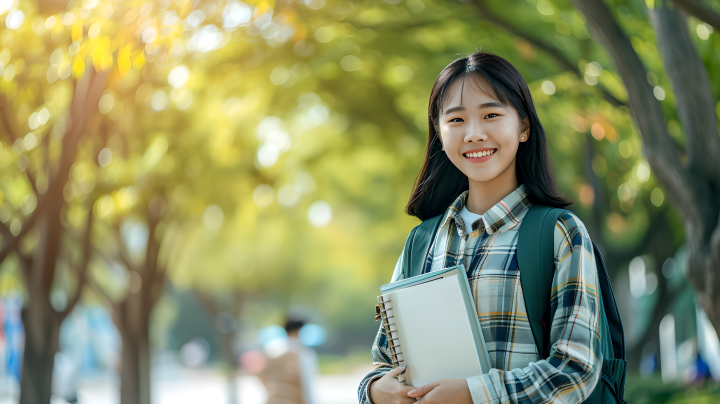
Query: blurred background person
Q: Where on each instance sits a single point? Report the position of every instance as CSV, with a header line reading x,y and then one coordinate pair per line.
x,y
290,372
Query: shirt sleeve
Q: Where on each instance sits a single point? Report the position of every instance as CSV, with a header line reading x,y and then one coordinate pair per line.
x,y
572,370
382,363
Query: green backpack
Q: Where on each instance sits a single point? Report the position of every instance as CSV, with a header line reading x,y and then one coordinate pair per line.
x,y
537,267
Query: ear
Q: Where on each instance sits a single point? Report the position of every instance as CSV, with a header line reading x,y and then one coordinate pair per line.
x,y
525,129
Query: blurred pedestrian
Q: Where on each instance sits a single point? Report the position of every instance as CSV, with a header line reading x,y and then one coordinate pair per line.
x,y
289,376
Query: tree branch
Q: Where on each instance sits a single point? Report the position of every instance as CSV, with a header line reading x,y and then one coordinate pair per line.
x,y
5,232
700,11
658,145
88,89
87,248
82,270
46,153
692,89
488,15
31,180
87,92
13,135
11,244
157,285
123,254
598,207
8,238
96,287
99,290
4,113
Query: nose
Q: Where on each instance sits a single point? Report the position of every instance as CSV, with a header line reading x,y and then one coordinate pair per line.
x,y
475,133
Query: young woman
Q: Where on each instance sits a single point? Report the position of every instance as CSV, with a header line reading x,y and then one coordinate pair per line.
x,y
486,163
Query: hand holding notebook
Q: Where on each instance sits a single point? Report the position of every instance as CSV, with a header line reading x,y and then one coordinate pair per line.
x,y
419,314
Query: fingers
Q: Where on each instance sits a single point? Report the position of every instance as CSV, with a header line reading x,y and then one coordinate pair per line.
x,y
397,371
423,390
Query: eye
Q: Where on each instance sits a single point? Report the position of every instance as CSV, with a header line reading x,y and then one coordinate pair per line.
x,y
454,120
491,114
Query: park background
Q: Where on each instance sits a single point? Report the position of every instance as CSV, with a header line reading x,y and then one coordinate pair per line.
x,y
178,175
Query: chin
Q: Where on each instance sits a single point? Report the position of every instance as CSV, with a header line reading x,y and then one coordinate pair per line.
x,y
484,177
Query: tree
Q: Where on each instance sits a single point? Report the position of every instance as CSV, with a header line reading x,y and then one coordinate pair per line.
x,y
224,309
65,93
132,312
42,320
692,180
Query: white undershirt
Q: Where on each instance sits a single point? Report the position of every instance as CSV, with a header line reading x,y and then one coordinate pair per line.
x,y
469,218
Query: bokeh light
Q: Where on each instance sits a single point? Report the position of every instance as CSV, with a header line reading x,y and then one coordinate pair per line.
x,y
319,213
105,157
178,76
15,19
213,217
312,335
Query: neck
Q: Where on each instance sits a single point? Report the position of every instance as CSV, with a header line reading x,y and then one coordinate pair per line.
x,y
483,195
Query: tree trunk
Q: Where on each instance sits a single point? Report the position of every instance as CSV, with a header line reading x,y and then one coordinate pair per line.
x,y
696,108
41,321
226,342
701,11
693,186
132,318
135,368
658,242
225,337
42,330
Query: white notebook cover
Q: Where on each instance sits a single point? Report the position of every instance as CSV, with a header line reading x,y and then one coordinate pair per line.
x,y
436,326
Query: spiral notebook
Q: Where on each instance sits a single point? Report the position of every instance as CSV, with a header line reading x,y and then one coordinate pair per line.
x,y
432,327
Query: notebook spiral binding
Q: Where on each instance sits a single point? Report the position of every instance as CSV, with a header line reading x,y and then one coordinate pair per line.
x,y
393,343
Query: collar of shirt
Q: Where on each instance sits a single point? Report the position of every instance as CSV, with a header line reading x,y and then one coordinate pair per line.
x,y
501,217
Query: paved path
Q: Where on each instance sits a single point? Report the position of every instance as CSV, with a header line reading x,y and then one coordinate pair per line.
x,y
210,387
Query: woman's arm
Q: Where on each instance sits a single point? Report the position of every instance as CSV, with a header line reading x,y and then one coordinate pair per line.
x,y
573,368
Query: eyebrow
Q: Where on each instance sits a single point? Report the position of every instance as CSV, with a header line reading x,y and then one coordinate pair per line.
x,y
481,106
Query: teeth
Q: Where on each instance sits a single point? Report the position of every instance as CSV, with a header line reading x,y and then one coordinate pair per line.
x,y
480,154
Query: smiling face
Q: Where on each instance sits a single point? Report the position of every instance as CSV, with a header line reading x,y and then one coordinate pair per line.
x,y
481,136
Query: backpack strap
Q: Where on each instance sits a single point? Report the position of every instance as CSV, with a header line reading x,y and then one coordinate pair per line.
x,y
612,313
536,262
418,245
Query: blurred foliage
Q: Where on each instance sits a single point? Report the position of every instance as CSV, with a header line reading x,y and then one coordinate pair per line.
x,y
338,364
280,140
653,391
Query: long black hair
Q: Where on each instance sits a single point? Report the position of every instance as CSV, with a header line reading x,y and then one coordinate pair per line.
x,y
440,182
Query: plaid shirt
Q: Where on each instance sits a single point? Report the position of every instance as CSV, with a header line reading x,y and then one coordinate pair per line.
x,y
488,252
